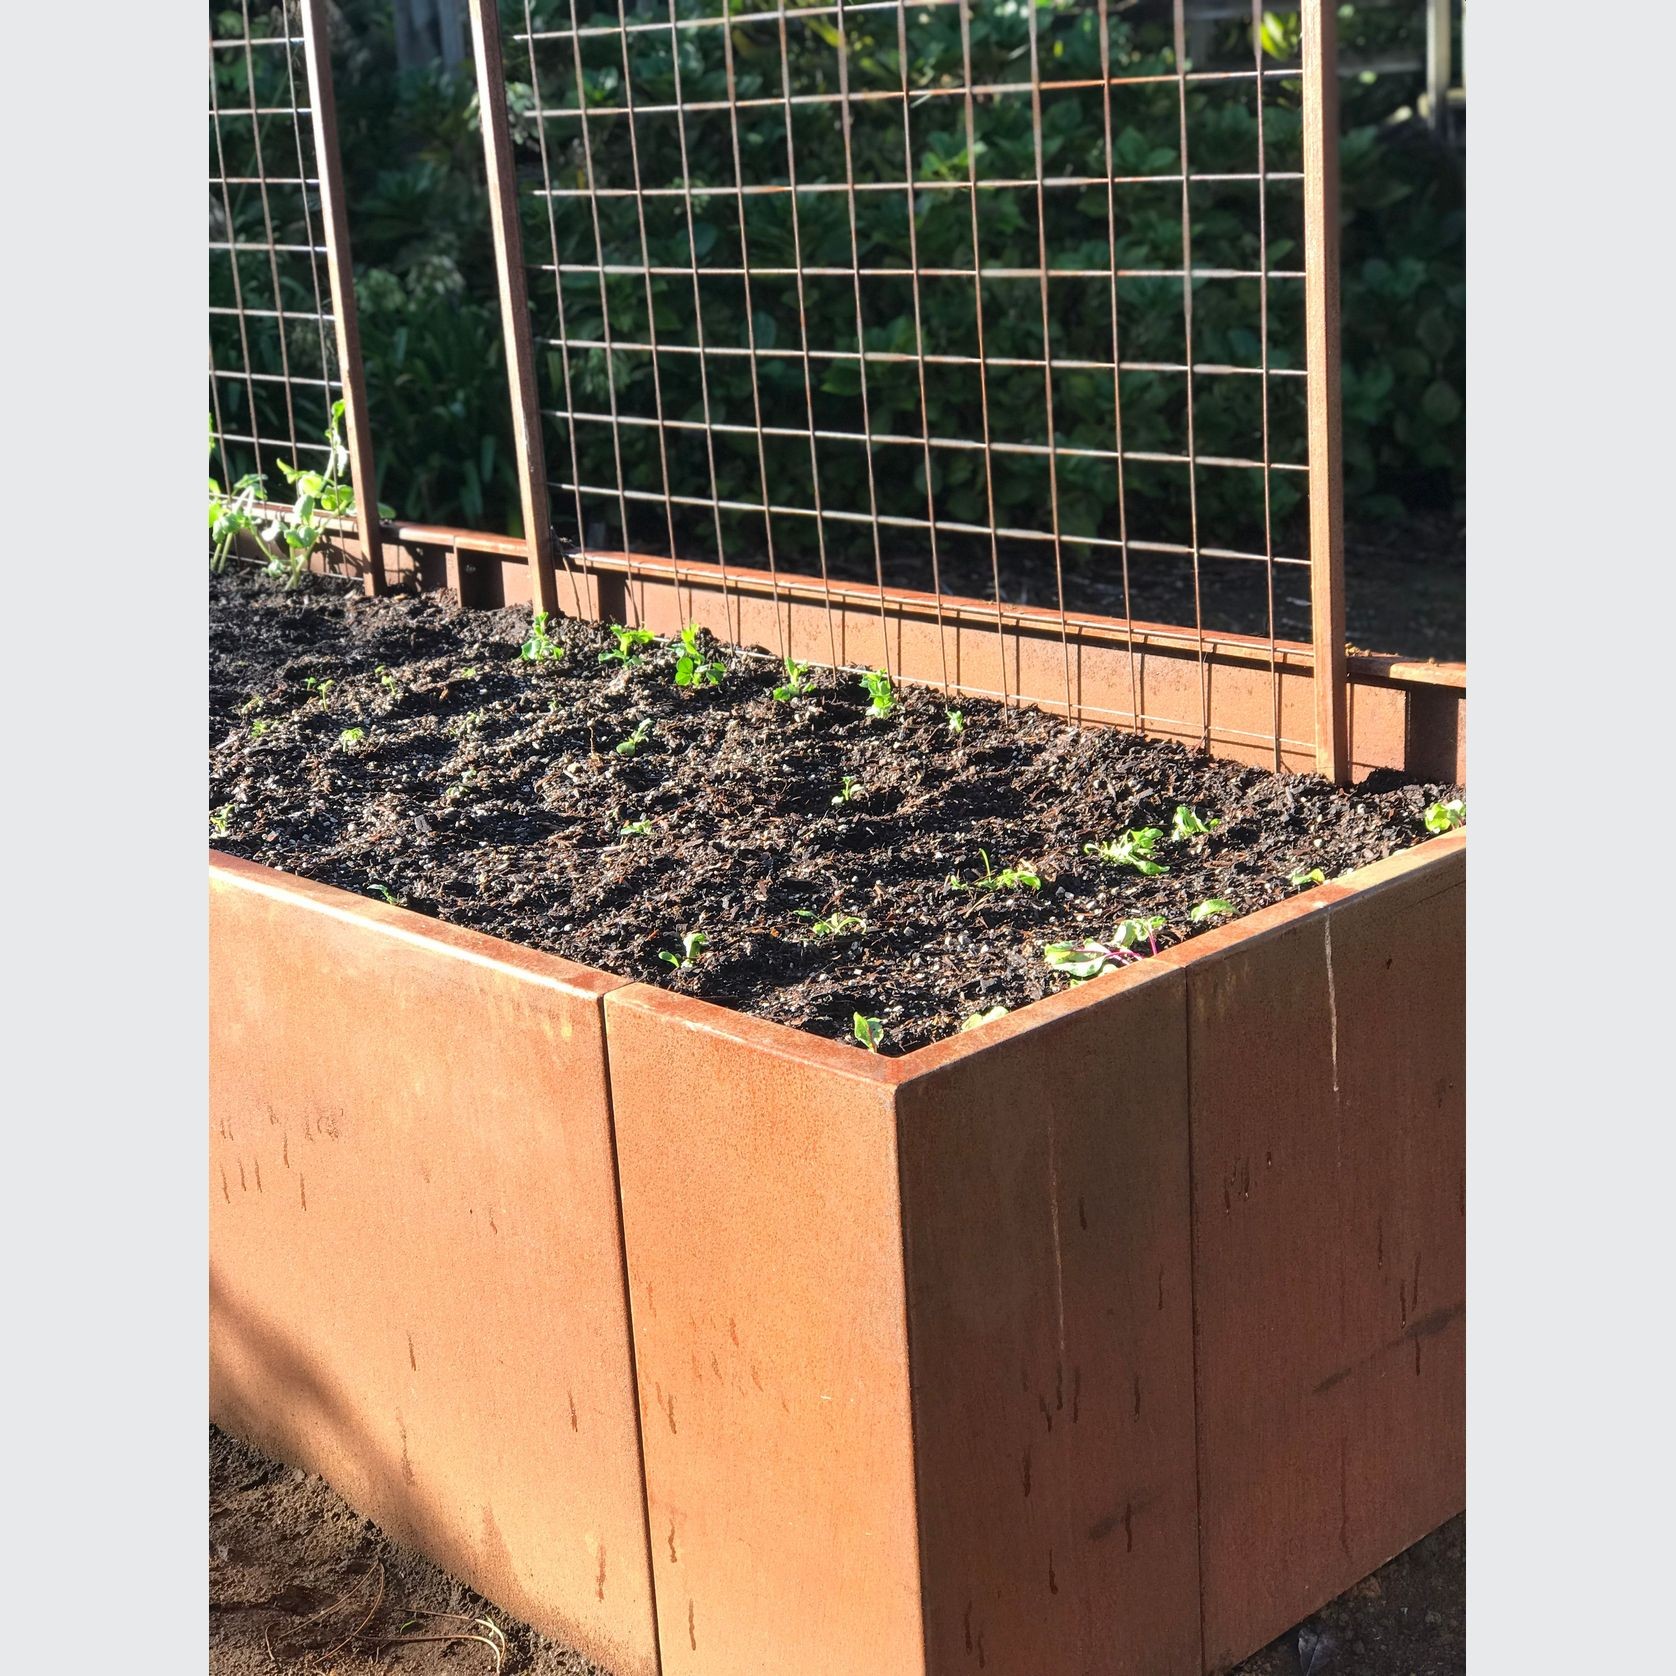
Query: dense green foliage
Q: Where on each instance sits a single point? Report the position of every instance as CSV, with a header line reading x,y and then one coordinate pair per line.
x,y
431,334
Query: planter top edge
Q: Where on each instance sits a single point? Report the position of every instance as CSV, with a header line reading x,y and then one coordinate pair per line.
x,y
531,965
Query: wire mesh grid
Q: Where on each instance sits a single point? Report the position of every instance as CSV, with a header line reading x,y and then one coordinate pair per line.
x,y
282,343
995,300
273,361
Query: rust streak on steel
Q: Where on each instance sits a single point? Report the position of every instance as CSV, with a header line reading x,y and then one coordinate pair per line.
x,y
514,302
1326,442
340,274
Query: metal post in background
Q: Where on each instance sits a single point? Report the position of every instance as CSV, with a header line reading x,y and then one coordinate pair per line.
x,y
514,302
340,270
1440,65
1321,331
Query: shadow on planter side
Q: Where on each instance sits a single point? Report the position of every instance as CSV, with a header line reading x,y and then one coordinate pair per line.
x,y
416,1282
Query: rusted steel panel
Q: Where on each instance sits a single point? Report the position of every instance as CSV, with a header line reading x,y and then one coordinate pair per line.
x,y
1327,1068
416,1281
762,1220
1045,1225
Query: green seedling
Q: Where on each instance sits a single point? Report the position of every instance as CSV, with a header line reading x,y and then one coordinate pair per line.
x,y
629,641
1218,907
232,513
849,791
835,924
987,1016
957,725
693,943
319,685
220,819
1306,876
870,1032
1009,878
1081,961
635,829
1445,817
469,673
692,667
797,682
259,727
1186,824
643,731
351,738
1133,849
288,538
251,704
541,647
385,679
882,694
384,892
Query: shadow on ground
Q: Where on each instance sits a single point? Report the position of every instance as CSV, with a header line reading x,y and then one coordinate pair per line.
x,y
301,1585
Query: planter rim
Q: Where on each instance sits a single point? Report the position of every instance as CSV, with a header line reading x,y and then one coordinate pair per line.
x,y
786,1042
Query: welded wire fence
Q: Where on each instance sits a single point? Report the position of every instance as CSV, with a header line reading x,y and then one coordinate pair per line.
x,y
282,343
992,299
1020,306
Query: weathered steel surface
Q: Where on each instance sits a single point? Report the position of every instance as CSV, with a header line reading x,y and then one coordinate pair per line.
x,y
416,1260
1045,1224
762,1220
1327,1061
914,1339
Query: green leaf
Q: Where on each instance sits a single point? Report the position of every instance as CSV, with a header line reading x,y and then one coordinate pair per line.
x,y
1217,907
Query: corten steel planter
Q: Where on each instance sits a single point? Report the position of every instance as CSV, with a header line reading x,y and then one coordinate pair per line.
x,y
1116,1336
416,1283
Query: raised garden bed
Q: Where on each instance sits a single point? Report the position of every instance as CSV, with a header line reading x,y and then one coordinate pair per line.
x,y
1115,1334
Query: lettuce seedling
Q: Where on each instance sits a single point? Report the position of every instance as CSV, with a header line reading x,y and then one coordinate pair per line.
x,y
882,694
693,943
385,678
635,829
1216,908
849,791
957,724
541,647
692,667
870,1032
1081,961
627,747
987,1016
1186,824
835,924
1009,878
1133,849
352,737
319,685
629,641
797,683
1445,817
220,819
1306,876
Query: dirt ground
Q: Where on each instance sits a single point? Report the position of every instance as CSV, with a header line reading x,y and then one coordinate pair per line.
x,y
301,1585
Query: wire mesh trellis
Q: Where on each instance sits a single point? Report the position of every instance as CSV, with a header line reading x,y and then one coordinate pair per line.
x,y
986,300
283,344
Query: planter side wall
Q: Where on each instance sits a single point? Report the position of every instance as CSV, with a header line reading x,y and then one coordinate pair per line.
x,y
1045,1217
416,1262
1328,1135
914,1339
763,1229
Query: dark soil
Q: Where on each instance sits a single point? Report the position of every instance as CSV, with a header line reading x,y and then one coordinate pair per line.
x,y
440,770
301,1585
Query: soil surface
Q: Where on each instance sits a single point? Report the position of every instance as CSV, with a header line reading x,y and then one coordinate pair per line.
x,y
301,1585
402,747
